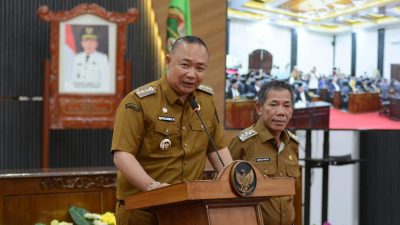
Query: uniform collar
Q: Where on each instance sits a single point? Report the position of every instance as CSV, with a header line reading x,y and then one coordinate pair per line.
x,y
169,93
266,135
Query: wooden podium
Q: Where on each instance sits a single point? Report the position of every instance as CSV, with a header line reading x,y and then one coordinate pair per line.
x,y
210,202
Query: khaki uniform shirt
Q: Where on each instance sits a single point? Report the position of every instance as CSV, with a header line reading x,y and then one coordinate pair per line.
x,y
152,113
257,145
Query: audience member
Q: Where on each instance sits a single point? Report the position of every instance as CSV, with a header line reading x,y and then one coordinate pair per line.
x,y
313,81
233,90
301,95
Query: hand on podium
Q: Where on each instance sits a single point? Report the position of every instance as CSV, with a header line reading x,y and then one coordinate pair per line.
x,y
154,185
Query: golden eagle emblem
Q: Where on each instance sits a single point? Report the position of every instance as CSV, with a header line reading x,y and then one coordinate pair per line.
x,y
243,178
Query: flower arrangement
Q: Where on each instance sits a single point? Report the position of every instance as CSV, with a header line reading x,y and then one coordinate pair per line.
x,y
81,216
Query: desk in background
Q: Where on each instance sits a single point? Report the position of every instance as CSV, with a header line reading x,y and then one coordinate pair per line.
x,y
364,102
394,108
240,114
31,196
313,116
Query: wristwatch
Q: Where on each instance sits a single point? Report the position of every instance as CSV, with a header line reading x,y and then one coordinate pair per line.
x,y
152,185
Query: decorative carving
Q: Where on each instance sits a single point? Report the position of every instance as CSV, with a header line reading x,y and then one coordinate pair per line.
x,y
45,14
78,182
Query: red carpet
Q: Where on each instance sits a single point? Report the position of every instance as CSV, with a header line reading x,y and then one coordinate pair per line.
x,y
341,120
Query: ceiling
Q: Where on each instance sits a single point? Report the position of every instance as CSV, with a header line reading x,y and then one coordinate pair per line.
x,y
331,16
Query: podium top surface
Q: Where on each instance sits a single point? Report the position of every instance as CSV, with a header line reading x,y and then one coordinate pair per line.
x,y
200,190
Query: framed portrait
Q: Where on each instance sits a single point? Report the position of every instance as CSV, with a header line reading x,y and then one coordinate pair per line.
x,y
87,74
87,61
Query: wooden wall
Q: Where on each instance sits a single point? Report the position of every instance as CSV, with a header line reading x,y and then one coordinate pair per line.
x,y
209,23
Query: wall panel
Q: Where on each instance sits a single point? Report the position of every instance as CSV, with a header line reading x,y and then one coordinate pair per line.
x,y
209,23
379,177
24,44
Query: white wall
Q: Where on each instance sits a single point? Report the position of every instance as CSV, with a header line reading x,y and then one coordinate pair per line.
x,y
367,52
392,49
246,37
343,195
314,49
343,53
343,198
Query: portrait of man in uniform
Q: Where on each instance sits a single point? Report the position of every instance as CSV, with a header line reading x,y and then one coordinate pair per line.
x,y
91,67
87,58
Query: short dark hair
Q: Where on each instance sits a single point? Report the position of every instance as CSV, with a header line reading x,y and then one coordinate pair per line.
x,y
190,40
273,85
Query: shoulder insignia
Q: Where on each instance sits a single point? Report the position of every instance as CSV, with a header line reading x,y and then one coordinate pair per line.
x,y
133,106
246,134
145,91
293,136
206,89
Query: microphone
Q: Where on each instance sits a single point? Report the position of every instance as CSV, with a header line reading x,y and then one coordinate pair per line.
x,y
196,107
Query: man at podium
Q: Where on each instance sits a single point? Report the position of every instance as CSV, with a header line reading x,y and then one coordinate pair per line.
x,y
158,139
271,148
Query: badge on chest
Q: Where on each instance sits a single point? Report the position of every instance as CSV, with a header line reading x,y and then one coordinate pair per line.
x,y
165,144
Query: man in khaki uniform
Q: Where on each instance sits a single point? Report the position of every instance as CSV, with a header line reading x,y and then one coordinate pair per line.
x,y
158,139
270,148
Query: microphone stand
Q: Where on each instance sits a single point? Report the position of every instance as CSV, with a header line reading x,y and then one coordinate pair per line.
x,y
196,107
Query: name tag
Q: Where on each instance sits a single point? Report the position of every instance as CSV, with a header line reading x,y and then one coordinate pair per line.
x,y
263,159
166,118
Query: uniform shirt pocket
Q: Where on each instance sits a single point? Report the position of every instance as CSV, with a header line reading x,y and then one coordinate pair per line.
x,y
199,134
197,126
166,129
265,167
292,170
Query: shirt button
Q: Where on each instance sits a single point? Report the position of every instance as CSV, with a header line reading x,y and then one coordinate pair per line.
x,y
183,128
280,174
185,145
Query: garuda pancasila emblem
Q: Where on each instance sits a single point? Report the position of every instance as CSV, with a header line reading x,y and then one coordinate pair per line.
x,y
243,178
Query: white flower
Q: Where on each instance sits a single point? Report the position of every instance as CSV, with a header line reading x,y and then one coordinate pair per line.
x,y
92,216
98,222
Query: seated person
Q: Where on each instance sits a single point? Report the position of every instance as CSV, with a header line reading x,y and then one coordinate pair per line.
x,y
250,86
396,87
384,87
360,87
233,90
301,95
332,86
344,94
